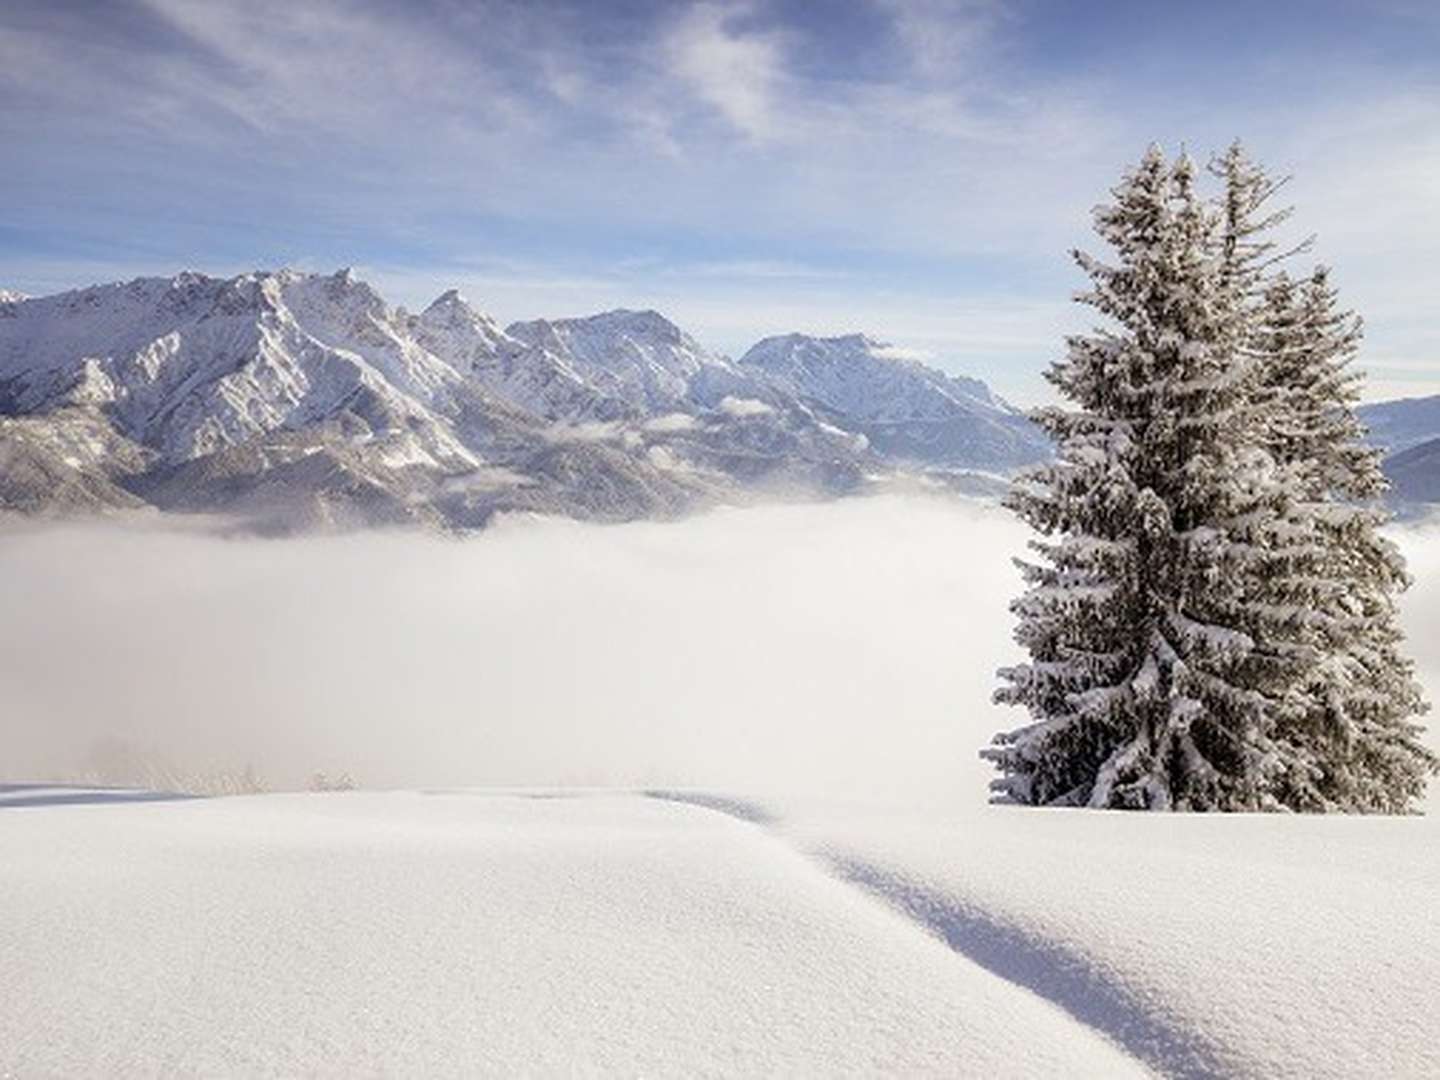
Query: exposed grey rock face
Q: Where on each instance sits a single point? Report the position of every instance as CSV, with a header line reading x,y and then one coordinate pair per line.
x,y
65,463
294,400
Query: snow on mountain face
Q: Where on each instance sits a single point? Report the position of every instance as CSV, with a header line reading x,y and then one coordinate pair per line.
x,y
459,331
1408,430
864,378
636,357
9,296
906,408
191,364
533,377
275,389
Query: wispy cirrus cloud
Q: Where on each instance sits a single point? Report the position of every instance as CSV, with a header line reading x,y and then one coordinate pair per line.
x,y
738,73
920,163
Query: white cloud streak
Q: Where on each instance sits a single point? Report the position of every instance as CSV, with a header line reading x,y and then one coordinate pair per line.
x,y
736,73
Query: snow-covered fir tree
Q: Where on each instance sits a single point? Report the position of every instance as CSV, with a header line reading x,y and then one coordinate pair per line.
x,y
1352,735
1187,589
1345,730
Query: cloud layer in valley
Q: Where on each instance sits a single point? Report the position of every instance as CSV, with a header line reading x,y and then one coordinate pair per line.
x,y
847,649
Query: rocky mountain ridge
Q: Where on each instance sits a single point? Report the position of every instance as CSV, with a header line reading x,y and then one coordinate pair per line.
x,y
292,400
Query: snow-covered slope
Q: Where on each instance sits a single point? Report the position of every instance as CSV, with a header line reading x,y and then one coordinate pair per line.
x,y
465,934
534,378
580,932
1408,430
1223,945
64,464
907,409
10,296
1414,473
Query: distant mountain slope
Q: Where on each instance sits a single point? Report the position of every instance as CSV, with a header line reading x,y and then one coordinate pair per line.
x,y
1415,473
64,465
189,365
1408,429
906,409
638,358
542,381
1399,425
287,397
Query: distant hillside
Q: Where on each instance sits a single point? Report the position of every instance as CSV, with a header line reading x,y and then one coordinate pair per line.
x,y
1415,473
1399,425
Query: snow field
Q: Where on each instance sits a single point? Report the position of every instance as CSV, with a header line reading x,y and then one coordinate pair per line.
x,y
1232,945
477,934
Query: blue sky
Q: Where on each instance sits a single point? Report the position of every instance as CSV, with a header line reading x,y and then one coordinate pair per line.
x,y
915,169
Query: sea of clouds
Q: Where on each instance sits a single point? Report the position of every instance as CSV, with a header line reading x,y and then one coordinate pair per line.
x,y
845,649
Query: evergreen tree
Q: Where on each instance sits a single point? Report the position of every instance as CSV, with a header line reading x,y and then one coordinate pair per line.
x,y
1211,621
1355,728
1298,587
1145,686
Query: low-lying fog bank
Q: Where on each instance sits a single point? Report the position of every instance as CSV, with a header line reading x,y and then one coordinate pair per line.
x,y
846,648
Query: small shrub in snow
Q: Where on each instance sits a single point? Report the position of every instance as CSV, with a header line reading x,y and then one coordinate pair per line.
x,y
339,782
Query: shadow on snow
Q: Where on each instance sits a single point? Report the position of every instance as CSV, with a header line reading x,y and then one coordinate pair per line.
x,y
14,796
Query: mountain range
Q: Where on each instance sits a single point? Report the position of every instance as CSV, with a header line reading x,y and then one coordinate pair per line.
x,y
288,400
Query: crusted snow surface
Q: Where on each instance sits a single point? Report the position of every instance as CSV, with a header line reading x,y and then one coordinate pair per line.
x,y
471,933
681,933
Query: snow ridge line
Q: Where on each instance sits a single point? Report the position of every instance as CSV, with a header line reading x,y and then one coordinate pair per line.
x,y
1093,996
741,809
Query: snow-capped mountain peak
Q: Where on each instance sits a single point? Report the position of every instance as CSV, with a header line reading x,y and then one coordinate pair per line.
x,y
867,377
451,309
190,388
903,406
190,364
638,358
448,299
